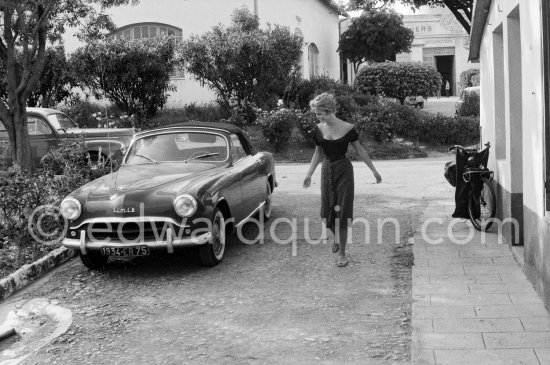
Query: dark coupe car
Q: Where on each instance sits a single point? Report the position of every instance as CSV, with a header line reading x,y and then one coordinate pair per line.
x,y
187,185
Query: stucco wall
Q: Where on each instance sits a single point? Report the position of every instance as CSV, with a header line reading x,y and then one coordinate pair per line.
x,y
318,23
512,118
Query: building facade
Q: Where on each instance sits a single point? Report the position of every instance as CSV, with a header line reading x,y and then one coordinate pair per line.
x,y
511,41
440,41
316,20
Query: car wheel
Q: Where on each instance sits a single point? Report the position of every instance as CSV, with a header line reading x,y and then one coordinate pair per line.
x,y
211,253
267,203
93,260
421,105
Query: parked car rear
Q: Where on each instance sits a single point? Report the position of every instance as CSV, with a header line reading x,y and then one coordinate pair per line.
x,y
48,127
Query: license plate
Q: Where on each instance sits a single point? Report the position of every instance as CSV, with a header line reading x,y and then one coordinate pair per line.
x,y
125,251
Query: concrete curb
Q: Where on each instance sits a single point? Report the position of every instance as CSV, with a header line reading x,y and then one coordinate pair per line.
x,y
27,273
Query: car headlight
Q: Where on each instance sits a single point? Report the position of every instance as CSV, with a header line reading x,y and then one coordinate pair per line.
x,y
71,208
185,205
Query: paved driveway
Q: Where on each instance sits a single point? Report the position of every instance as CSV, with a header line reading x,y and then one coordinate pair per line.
x,y
265,303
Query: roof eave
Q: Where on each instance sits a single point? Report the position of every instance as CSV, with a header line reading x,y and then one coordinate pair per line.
x,y
479,20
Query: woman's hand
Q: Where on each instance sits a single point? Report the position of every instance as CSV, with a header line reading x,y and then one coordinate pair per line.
x,y
307,182
377,177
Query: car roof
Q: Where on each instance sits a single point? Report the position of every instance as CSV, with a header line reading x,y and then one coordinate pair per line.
x,y
43,111
214,126
472,88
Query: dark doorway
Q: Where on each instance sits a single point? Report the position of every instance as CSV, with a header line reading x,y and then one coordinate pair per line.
x,y
445,66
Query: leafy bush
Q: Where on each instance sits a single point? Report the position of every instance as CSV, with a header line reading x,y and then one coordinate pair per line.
x,y
469,77
398,80
133,74
21,192
470,106
307,122
277,126
242,63
383,123
300,92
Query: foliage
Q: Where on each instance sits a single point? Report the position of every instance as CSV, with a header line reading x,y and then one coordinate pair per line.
x,y
470,105
133,74
22,191
26,28
301,91
377,36
467,78
461,9
385,123
399,79
55,84
277,126
307,122
243,64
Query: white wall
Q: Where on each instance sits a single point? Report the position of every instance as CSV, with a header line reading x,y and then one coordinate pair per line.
x,y
532,114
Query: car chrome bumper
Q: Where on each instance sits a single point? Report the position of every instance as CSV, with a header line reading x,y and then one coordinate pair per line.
x,y
169,242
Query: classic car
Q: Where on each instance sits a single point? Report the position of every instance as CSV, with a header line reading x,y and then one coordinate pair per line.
x,y
185,185
416,101
48,127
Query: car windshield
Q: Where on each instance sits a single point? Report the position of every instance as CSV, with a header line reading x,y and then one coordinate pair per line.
x,y
178,147
61,121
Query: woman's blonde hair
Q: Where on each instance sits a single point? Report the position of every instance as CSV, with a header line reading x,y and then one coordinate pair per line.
x,y
324,101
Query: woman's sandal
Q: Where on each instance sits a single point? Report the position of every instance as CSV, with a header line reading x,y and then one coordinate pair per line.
x,y
342,261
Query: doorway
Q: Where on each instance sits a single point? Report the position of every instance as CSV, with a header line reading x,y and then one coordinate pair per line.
x,y
445,66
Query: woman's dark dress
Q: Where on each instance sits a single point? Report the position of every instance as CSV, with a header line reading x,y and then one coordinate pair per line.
x,y
337,186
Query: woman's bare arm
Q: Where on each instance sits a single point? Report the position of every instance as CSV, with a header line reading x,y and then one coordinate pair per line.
x,y
317,156
363,154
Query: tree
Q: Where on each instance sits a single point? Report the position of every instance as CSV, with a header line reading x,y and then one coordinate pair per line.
x,y
461,9
56,82
242,63
25,30
376,35
399,80
133,74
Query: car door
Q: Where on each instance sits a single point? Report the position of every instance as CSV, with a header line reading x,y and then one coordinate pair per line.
x,y
41,138
247,167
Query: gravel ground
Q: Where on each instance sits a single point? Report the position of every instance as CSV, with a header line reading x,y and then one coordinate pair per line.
x,y
265,303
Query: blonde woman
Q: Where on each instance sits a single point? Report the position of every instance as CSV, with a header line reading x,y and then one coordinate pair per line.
x,y
332,137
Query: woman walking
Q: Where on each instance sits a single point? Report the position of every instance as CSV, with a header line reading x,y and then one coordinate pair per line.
x,y
332,137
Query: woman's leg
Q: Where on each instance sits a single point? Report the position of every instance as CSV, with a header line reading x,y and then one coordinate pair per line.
x,y
341,238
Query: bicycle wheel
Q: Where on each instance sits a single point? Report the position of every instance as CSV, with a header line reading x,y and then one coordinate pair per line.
x,y
482,208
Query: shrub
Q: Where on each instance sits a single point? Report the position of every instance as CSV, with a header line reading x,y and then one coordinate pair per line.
x,y
470,106
243,63
469,77
277,126
441,129
383,123
307,122
133,74
398,80
21,192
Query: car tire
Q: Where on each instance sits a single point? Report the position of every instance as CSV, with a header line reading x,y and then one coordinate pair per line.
x,y
211,253
93,260
267,203
421,105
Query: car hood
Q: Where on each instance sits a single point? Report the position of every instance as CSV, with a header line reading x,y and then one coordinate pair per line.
x,y
135,178
101,132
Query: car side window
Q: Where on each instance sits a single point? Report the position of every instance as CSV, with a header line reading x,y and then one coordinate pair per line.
x,y
237,150
37,127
